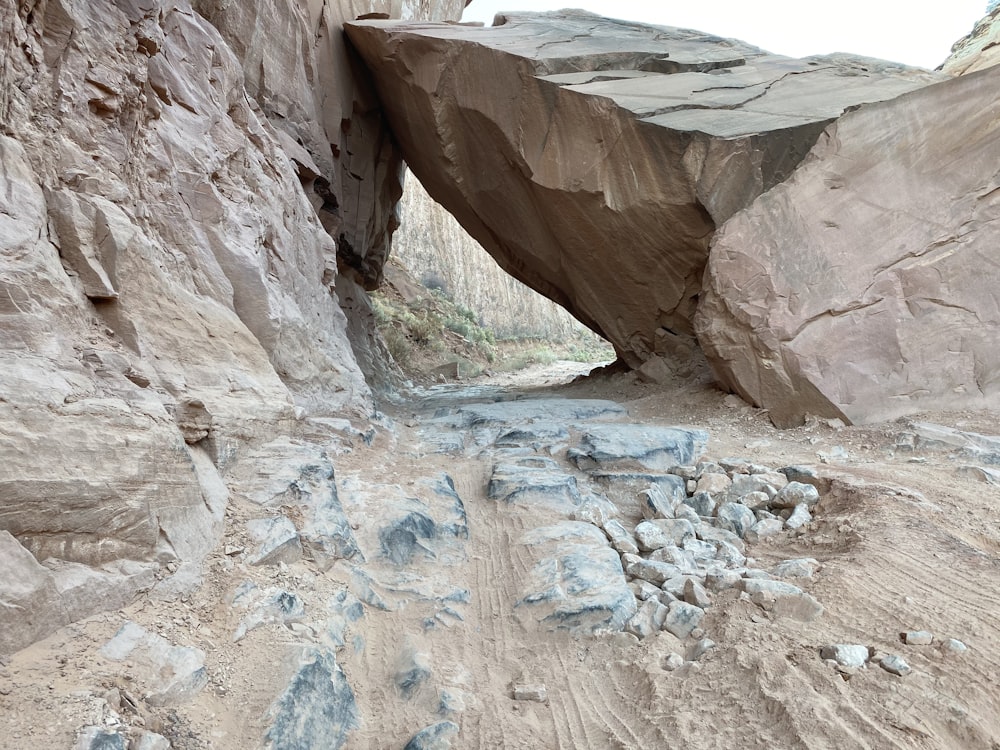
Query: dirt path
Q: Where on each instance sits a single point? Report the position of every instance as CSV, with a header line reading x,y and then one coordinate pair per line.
x,y
905,540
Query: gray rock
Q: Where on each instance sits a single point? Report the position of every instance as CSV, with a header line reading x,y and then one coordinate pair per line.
x,y
729,554
649,570
703,551
535,435
661,532
686,513
530,692
953,647
782,599
655,503
277,541
701,503
578,584
623,488
99,738
917,638
527,411
795,493
171,675
800,567
701,648
714,484
805,475
648,620
765,529
317,710
744,484
621,539
594,509
715,535
32,608
849,655
643,590
150,741
412,672
895,665
734,517
534,486
981,473
756,501
629,445
720,580
682,618
799,517
674,555
435,737
695,593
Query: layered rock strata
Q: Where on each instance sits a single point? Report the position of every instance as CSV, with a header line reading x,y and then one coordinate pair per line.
x,y
595,158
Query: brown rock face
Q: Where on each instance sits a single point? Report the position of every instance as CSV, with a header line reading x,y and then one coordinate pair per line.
x,y
979,50
594,158
864,287
168,279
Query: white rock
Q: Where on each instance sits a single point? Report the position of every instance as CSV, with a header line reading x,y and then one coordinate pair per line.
x,y
895,665
917,638
530,692
846,654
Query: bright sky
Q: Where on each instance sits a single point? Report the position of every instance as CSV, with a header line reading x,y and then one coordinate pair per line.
x,y
916,33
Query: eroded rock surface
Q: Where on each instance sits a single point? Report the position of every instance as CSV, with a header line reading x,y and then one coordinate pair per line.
x,y
594,158
861,287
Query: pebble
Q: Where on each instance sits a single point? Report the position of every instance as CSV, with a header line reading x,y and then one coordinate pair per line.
x,y
917,638
530,692
953,647
846,654
673,662
895,665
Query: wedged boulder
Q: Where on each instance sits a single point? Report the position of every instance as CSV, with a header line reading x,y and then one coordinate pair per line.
x,y
862,287
594,158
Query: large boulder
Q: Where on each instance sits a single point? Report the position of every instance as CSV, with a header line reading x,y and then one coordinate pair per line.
x,y
864,286
594,158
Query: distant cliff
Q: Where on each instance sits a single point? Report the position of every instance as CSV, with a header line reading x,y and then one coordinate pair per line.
x,y
433,246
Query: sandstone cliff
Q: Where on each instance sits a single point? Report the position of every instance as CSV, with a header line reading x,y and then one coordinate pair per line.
x,y
172,197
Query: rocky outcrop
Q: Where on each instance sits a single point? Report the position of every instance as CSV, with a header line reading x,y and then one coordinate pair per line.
x,y
980,49
861,288
594,158
169,258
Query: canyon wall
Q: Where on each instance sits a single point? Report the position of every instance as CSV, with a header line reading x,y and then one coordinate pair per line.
x,y
189,194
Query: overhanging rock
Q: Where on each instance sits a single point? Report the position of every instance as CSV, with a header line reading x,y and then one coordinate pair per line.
x,y
594,158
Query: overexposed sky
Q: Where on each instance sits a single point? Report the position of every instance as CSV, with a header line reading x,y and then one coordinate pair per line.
x,y
916,33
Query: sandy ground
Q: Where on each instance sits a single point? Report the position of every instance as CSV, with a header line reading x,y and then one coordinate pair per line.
x,y
906,542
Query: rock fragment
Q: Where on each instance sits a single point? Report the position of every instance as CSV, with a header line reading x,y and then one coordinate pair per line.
x,y
917,638
172,675
782,599
895,664
530,692
682,618
435,737
849,655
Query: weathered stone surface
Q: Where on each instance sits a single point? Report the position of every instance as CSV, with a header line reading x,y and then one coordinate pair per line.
x,y
435,737
895,664
534,486
799,517
800,567
794,494
621,539
530,692
578,584
917,638
639,446
783,599
856,291
735,517
277,541
99,738
648,620
31,607
846,654
527,411
559,135
682,618
317,709
172,675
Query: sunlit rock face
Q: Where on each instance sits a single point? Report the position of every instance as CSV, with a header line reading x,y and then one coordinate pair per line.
x,y
594,159
980,49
